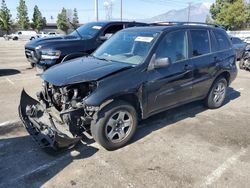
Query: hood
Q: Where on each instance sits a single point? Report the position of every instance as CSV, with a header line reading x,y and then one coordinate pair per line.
x,y
52,41
81,70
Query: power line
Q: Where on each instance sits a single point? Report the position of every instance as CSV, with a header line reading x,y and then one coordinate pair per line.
x,y
121,9
96,10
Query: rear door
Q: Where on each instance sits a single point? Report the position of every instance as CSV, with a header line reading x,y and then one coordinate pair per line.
x,y
224,55
172,85
202,59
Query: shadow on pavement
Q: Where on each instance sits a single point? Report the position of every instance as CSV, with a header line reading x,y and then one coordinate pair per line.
x,y
8,72
174,115
24,164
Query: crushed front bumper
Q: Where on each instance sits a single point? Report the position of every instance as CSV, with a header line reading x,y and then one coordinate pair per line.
x,y
41,125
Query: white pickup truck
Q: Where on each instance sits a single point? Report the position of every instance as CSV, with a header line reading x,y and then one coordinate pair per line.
x,y
22,35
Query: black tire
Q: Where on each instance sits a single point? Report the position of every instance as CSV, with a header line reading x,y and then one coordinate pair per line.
x,y
15,38
241,63
32,38
211,98
100,127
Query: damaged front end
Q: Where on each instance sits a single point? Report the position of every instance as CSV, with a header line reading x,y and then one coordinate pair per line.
x,y
60,117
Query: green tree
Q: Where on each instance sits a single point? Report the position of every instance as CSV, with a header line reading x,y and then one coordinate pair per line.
x,y
22,15
38,20
232,14
75,20
5,17
62,21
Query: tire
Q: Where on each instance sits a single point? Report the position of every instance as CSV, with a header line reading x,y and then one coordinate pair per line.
x,y
213,102
32,38
15,38
114,125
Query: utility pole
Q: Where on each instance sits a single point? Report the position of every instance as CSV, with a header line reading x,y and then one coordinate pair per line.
x,y
189,9
96,10
121,10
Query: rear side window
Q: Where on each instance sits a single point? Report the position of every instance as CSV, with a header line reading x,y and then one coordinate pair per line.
x,y
113,29
222,39
200,42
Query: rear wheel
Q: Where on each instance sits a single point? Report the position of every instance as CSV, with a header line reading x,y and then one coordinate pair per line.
x,y
217,93
114,125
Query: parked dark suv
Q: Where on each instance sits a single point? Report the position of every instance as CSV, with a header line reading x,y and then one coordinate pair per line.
x,y
139,72
46,52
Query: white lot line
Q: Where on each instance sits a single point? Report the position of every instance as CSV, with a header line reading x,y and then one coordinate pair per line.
x,y
18,79
10,81
43,167
240,89
217,173
7,123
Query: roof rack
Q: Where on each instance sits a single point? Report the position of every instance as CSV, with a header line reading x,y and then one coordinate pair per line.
x,y
185,23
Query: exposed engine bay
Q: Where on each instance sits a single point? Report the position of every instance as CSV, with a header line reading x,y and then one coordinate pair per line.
x,y
60,117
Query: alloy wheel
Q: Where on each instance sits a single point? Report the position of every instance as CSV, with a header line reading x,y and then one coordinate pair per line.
x,y
118,126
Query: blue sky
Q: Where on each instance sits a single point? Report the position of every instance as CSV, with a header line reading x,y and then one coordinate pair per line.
x,y
132,9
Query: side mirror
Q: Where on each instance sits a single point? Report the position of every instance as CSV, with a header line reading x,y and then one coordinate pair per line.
x,y
105,37
159,63
162,62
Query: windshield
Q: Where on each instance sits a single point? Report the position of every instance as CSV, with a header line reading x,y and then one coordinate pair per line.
x,y
127,46
88,30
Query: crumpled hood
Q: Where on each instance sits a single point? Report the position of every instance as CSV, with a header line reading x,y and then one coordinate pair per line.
x,y
81,70
51,41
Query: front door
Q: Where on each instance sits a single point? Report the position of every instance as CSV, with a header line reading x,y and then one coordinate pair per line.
x,y
171,85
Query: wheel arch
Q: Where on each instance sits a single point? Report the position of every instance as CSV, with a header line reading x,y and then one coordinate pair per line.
x,y
130,98
224,74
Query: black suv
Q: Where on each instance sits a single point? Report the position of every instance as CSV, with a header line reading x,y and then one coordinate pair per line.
x,y
139,72
46,52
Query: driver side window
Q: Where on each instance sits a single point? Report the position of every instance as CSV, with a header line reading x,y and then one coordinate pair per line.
x,y
112,30
174,46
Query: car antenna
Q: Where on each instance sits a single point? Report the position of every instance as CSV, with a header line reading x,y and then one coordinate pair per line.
x,y
75,28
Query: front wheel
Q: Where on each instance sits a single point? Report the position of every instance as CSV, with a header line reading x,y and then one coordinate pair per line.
x,y
114,125
217,93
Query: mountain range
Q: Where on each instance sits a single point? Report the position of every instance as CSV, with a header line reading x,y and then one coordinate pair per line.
x,y
198,13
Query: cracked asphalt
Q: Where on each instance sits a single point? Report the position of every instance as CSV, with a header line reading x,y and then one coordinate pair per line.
x,y
189,146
